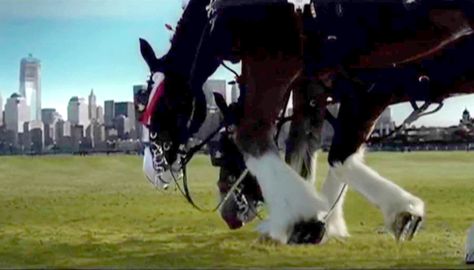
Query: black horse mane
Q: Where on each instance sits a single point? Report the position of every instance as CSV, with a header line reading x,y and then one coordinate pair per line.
x,y
188,31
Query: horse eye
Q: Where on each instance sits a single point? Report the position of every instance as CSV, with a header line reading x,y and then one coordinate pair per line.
x,y
167,146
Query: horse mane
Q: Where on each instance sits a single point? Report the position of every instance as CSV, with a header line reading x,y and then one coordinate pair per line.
x,y
188,31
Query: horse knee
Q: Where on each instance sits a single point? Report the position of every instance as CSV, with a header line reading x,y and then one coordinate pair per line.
x,y
254,138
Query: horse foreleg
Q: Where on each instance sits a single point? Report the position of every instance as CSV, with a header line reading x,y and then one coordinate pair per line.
x,y
402,211
295,208
309,103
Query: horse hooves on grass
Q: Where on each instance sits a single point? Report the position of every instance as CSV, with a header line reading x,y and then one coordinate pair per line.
x,y
307,232
406,226
470,259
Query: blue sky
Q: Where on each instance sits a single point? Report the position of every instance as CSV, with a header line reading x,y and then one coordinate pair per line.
x,y
85,44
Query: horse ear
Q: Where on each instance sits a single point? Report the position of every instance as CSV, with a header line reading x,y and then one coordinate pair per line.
x,y
221,104
148,54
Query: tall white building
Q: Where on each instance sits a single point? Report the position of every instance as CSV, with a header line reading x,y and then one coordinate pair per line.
x,y
385,123
30,85
78,112
92,105
16,113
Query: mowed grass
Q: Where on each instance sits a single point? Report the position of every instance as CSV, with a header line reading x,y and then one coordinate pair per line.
x,y
99,211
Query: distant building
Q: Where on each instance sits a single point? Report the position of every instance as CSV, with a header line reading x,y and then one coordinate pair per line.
x,y
234,93
34,132
77,112
109,113
385,123
124,126
211,123
30,85
100,114
77,136
96,134
1,110
139,87
16,113
212,86
50,117
92,109
125,108
466,119
139,126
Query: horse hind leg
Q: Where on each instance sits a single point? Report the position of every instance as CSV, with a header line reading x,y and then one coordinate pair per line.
x,y
335,192
304,139
309,103
403,212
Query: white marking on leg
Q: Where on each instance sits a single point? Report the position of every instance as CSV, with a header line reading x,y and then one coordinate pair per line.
x,y
335,190
306,159
470,246
290,199
389,197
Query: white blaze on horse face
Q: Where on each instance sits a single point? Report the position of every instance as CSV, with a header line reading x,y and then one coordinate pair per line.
x,y
158,78
299,4
289,197
470,246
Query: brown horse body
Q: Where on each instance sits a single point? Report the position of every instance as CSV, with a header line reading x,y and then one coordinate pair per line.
x,y
279,47
269,73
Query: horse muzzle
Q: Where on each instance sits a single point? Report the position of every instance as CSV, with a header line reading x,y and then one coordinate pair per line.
x,y
157,170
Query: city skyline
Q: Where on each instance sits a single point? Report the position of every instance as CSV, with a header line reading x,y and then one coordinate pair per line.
x,y
85,46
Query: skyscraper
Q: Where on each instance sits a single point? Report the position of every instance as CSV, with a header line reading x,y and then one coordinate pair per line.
x,y
16,113
92,106
77,112
30,85
50,117
109,113
100,114
125,108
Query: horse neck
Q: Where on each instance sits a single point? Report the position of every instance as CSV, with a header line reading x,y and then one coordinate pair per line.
x,y
186,40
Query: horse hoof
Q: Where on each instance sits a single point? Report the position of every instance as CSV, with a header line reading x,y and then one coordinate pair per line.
x,y
406,226
470,259
307,232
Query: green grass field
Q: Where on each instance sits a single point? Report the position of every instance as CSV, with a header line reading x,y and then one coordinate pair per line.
x,y
100,212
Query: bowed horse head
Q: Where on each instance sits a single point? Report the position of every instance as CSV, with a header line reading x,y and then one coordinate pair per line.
x,y
167,111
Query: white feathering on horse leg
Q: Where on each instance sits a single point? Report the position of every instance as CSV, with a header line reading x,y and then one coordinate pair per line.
x,y
303,158
335,192
290,199
470,246
389,197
